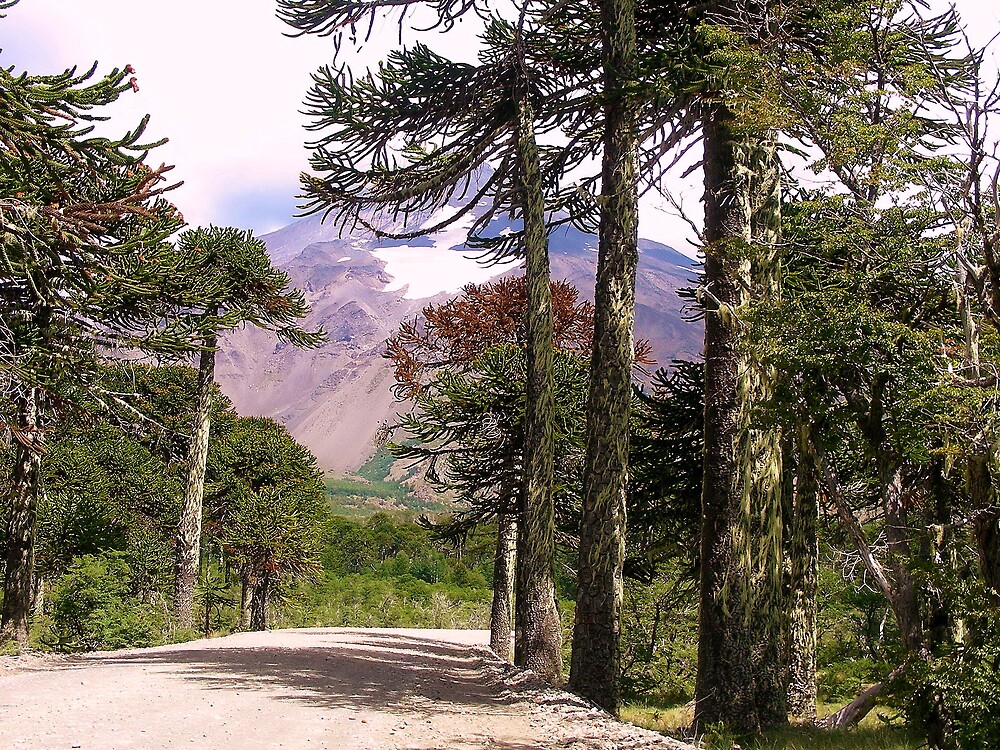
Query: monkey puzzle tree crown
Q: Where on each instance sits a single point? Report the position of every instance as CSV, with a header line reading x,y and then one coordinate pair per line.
x,y
232,280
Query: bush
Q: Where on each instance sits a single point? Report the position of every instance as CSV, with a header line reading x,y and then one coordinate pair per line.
x,y
954,701
659,641
94,607
953,698
842,680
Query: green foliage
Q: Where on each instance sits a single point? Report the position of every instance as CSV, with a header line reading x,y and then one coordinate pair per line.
x,y
954,697
232,281
338,487
265,497
106,491
95,606
364,601
385,573
857,637
377,468
468,428
275,531
666,448
659,639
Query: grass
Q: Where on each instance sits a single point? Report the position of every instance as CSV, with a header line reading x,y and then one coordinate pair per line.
x,y
876,732
359,498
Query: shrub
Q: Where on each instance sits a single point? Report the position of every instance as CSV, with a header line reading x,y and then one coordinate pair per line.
x,y
953,699
94,607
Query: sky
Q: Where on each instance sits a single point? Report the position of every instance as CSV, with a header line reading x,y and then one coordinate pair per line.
x,y
223,82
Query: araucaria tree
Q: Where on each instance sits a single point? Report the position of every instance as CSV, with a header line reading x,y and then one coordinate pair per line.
x,y
230,282
85,271
740,612
403,142
595,664
464,367
270,511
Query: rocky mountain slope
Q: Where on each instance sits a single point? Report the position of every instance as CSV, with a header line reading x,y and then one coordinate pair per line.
x,y
334,398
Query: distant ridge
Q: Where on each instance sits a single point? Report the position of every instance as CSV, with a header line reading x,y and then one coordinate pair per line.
x,y
334,398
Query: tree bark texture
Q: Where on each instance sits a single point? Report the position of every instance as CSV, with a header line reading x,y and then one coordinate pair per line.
x,y
595,668
542,630
906,600
987,531
188,544
504,573
740,680
19,570
804,568
259,592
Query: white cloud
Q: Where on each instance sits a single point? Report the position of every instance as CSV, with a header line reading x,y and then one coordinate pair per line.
x,y
222,81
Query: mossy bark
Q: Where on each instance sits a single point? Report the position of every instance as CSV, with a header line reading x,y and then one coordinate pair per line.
x,y
595,669
504,573
741,681
804,554
541,647
19,563
259,593
188,543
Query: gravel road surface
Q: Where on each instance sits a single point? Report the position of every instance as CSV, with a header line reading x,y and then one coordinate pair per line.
x,y
308,689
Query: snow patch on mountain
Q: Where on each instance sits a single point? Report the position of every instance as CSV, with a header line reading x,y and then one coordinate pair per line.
x,y
430,265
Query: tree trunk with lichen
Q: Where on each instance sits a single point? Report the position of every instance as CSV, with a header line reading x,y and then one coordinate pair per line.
x,y
19,564
595,669
804,555
541,647
987,532
188,542
740,681
504,574
260,590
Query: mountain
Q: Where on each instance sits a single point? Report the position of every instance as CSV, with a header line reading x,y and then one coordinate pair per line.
x,y
334,398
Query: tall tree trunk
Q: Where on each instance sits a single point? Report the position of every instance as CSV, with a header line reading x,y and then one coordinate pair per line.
x,y
247,582
542,630
259,592
804,562
906,600
504,573
19,570
740,681
987,531
188,543
595,668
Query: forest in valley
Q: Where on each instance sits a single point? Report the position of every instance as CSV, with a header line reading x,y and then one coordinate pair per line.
x,y
792,541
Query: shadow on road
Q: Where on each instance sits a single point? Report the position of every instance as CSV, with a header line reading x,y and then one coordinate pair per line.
x,y
354,669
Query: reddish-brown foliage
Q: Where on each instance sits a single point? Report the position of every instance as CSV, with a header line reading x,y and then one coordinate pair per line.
x,y
454,333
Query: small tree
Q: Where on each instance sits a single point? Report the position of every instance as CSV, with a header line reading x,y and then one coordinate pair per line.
x,y
464,367
266,498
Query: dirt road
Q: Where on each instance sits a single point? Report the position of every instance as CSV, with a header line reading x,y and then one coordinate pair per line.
x,y
311,689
